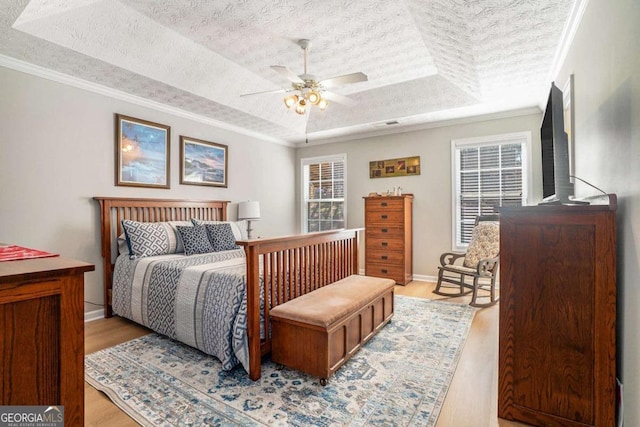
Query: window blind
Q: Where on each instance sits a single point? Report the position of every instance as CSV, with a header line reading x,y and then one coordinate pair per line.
x,y
324,193
488,173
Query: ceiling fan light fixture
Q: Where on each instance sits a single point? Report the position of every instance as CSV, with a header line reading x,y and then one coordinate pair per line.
x,y
301,107
313,97
322,104
290,100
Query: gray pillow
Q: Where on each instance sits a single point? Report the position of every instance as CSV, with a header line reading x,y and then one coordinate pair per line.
x,y
147,238
195,239
221,237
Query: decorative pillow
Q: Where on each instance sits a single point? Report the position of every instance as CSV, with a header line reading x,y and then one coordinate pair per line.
x,y
485,243
173,225
151,238
195,239
148,238
221,237
236,227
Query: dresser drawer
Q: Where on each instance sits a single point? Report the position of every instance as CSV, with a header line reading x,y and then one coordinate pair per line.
x,y
384,231
384,216
385,204
385,256
395,272
384,243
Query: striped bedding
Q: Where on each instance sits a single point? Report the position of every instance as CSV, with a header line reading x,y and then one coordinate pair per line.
x,y
199,300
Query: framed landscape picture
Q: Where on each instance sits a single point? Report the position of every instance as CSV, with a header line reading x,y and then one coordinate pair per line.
x,y
142,153
203,162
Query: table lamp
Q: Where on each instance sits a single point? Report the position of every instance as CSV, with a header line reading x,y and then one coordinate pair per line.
x,y
251,212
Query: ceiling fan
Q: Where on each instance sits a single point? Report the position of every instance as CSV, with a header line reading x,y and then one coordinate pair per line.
x,y
308,90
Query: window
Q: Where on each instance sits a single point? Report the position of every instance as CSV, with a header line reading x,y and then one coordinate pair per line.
x,y
488,173
323,187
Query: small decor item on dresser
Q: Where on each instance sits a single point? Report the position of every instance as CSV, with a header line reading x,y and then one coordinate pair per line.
x,y
142,153
404,166
15,252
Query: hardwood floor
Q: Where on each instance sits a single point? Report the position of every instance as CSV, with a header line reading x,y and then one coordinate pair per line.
x,y
471,400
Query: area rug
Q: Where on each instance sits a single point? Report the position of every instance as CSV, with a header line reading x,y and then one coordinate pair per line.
x,y
400,377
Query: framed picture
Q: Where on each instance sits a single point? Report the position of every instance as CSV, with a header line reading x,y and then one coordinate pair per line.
x,y
405,166
142,153
203,162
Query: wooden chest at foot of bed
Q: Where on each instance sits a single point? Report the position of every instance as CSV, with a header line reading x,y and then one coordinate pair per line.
x,y
319,331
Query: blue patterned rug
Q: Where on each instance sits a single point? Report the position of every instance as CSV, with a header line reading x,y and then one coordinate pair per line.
x,y
400,377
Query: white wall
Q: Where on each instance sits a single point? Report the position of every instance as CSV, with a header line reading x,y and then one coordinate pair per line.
x,y
57,152
605,61
432,213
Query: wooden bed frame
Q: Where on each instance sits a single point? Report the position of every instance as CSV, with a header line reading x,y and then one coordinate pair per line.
x,y
292,265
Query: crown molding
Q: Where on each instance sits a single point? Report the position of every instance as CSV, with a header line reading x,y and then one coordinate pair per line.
x,y
400,128
68,80
566,39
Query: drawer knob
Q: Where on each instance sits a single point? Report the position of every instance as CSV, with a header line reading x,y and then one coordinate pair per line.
x,y
384,243
384,217
384,257
384,230
384,270
383,204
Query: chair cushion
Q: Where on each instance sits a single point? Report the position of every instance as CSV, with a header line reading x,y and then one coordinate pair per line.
x,y
485,243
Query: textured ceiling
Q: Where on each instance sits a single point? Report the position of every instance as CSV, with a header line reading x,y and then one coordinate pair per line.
x,y
426,60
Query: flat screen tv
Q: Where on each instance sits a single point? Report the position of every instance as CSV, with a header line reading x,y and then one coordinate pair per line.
x,y
557,187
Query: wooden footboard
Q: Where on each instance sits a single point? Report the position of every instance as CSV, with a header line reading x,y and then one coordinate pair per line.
x,y
293,265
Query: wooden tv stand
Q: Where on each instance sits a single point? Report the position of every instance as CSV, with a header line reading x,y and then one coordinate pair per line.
x,y
557,355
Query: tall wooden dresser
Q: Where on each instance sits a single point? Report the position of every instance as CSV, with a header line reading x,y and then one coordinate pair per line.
x,y
388,237
42,334
557,356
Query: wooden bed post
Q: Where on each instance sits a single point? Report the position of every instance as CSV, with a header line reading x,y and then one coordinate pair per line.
x,y
253,311
105,244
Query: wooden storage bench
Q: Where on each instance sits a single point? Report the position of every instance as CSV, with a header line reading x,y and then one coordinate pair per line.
x,y
319,331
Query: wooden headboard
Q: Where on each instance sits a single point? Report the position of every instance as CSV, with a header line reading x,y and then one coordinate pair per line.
x,y
114,209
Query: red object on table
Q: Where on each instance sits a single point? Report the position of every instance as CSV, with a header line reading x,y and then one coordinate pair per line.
x,y
15,252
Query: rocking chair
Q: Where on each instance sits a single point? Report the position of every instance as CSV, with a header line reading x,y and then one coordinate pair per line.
x,y
476,269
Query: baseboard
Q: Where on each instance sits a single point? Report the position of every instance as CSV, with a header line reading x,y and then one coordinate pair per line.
x,y
416,277
425,278
93,315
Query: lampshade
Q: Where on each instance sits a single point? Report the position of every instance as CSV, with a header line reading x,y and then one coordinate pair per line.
x,y
249,210
322,104
290,100
314,97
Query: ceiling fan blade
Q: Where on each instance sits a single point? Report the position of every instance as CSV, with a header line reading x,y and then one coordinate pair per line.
x,y
290,75
340,99
345,79
262,93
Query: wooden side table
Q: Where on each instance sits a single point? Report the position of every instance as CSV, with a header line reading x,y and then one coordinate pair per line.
x,y
42,330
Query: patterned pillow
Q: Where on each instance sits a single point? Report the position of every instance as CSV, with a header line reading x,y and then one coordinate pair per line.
x,y
173,224
221,237
236,227
148,238
485,243
194,239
